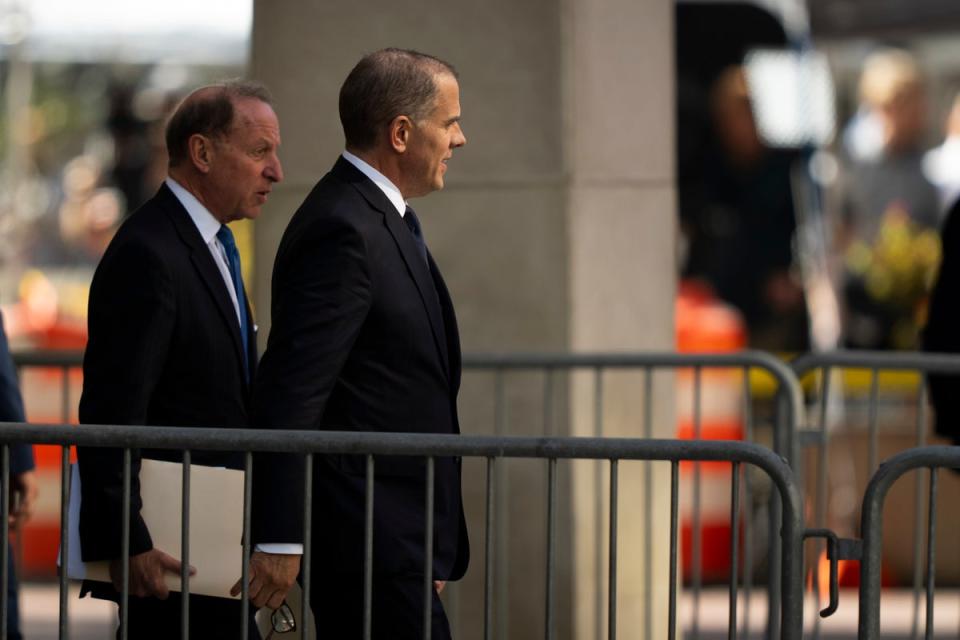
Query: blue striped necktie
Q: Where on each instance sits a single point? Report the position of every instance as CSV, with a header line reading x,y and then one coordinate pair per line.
x,y
225,236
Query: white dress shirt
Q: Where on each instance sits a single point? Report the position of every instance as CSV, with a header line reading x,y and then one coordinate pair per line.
x,y
383,182
208,226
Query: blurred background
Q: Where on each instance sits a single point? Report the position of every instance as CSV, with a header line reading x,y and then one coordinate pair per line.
x,y
815,152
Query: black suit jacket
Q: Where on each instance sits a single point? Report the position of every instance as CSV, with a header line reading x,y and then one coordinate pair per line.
x,y
164,349
364,338
942,333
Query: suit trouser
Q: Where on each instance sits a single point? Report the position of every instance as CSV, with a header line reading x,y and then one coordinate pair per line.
x,y
210,619
397,608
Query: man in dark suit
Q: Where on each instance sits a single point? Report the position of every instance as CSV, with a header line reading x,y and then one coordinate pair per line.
x,y
171,339
942,332
23,482
364,338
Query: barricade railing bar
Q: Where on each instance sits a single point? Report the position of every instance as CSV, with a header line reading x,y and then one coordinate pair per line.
x,y
818,435
492,449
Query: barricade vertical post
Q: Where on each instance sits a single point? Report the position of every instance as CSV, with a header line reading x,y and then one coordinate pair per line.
x,y
674,500
551,543
820,510
918,509
931,549
734,546
307,558
501,479
612,597
65,394
368,555
489,550
696,531
648,507
748,500
245,566
63,631
872,419
185,549
125,548
598,500
428,552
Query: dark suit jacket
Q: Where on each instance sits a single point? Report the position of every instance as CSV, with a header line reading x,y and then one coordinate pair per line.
x,y
11,406
164,349
942,333
364,338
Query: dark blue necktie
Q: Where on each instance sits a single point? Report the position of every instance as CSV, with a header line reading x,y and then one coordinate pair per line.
x,y
413,223
225,236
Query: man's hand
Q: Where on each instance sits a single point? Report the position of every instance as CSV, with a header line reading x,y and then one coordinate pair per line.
x,y
23,499
147,572
271,576
438,585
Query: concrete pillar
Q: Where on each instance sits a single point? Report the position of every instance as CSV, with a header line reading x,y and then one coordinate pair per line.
x,y
556,231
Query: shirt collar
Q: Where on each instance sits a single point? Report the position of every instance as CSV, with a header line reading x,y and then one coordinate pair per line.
x,y
206,224
389,189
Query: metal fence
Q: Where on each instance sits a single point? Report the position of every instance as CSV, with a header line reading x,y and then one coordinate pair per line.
x,y
491,449
904,405
554,373
555,370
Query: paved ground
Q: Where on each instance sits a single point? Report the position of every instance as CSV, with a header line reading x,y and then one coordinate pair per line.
x,y
89,619
95,620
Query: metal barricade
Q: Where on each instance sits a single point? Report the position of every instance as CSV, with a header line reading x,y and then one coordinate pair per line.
x,y
788,415
491,449
817,436
932,459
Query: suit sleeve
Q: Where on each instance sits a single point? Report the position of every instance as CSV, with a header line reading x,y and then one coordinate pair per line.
x,y
11,406
321,296
131,320
942,333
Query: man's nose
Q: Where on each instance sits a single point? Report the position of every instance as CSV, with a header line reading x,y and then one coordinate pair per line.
x,y
274,171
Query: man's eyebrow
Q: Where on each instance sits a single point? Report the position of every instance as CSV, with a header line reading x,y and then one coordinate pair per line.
x,y
452,120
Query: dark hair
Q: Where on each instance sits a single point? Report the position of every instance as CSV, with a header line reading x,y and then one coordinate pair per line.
x,y
209,114
386,84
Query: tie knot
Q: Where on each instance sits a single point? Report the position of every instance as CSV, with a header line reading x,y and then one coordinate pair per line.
x,y
225,236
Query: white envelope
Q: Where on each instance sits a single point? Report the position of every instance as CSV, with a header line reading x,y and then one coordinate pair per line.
x,y
216,524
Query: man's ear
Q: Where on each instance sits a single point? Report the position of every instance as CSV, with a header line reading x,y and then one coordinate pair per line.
x,y
400,129
200,148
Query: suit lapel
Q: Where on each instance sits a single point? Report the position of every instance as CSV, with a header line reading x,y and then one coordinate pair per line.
x,y
408,250
205,266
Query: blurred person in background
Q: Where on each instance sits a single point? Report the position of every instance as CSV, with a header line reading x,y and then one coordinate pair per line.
x,y
172,339
741,224
889,211
23,483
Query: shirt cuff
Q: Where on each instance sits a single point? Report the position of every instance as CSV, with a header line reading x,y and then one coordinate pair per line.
x,y
283,548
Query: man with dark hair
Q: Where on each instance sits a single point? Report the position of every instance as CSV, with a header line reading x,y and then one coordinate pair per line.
x,y
364,338
171,337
